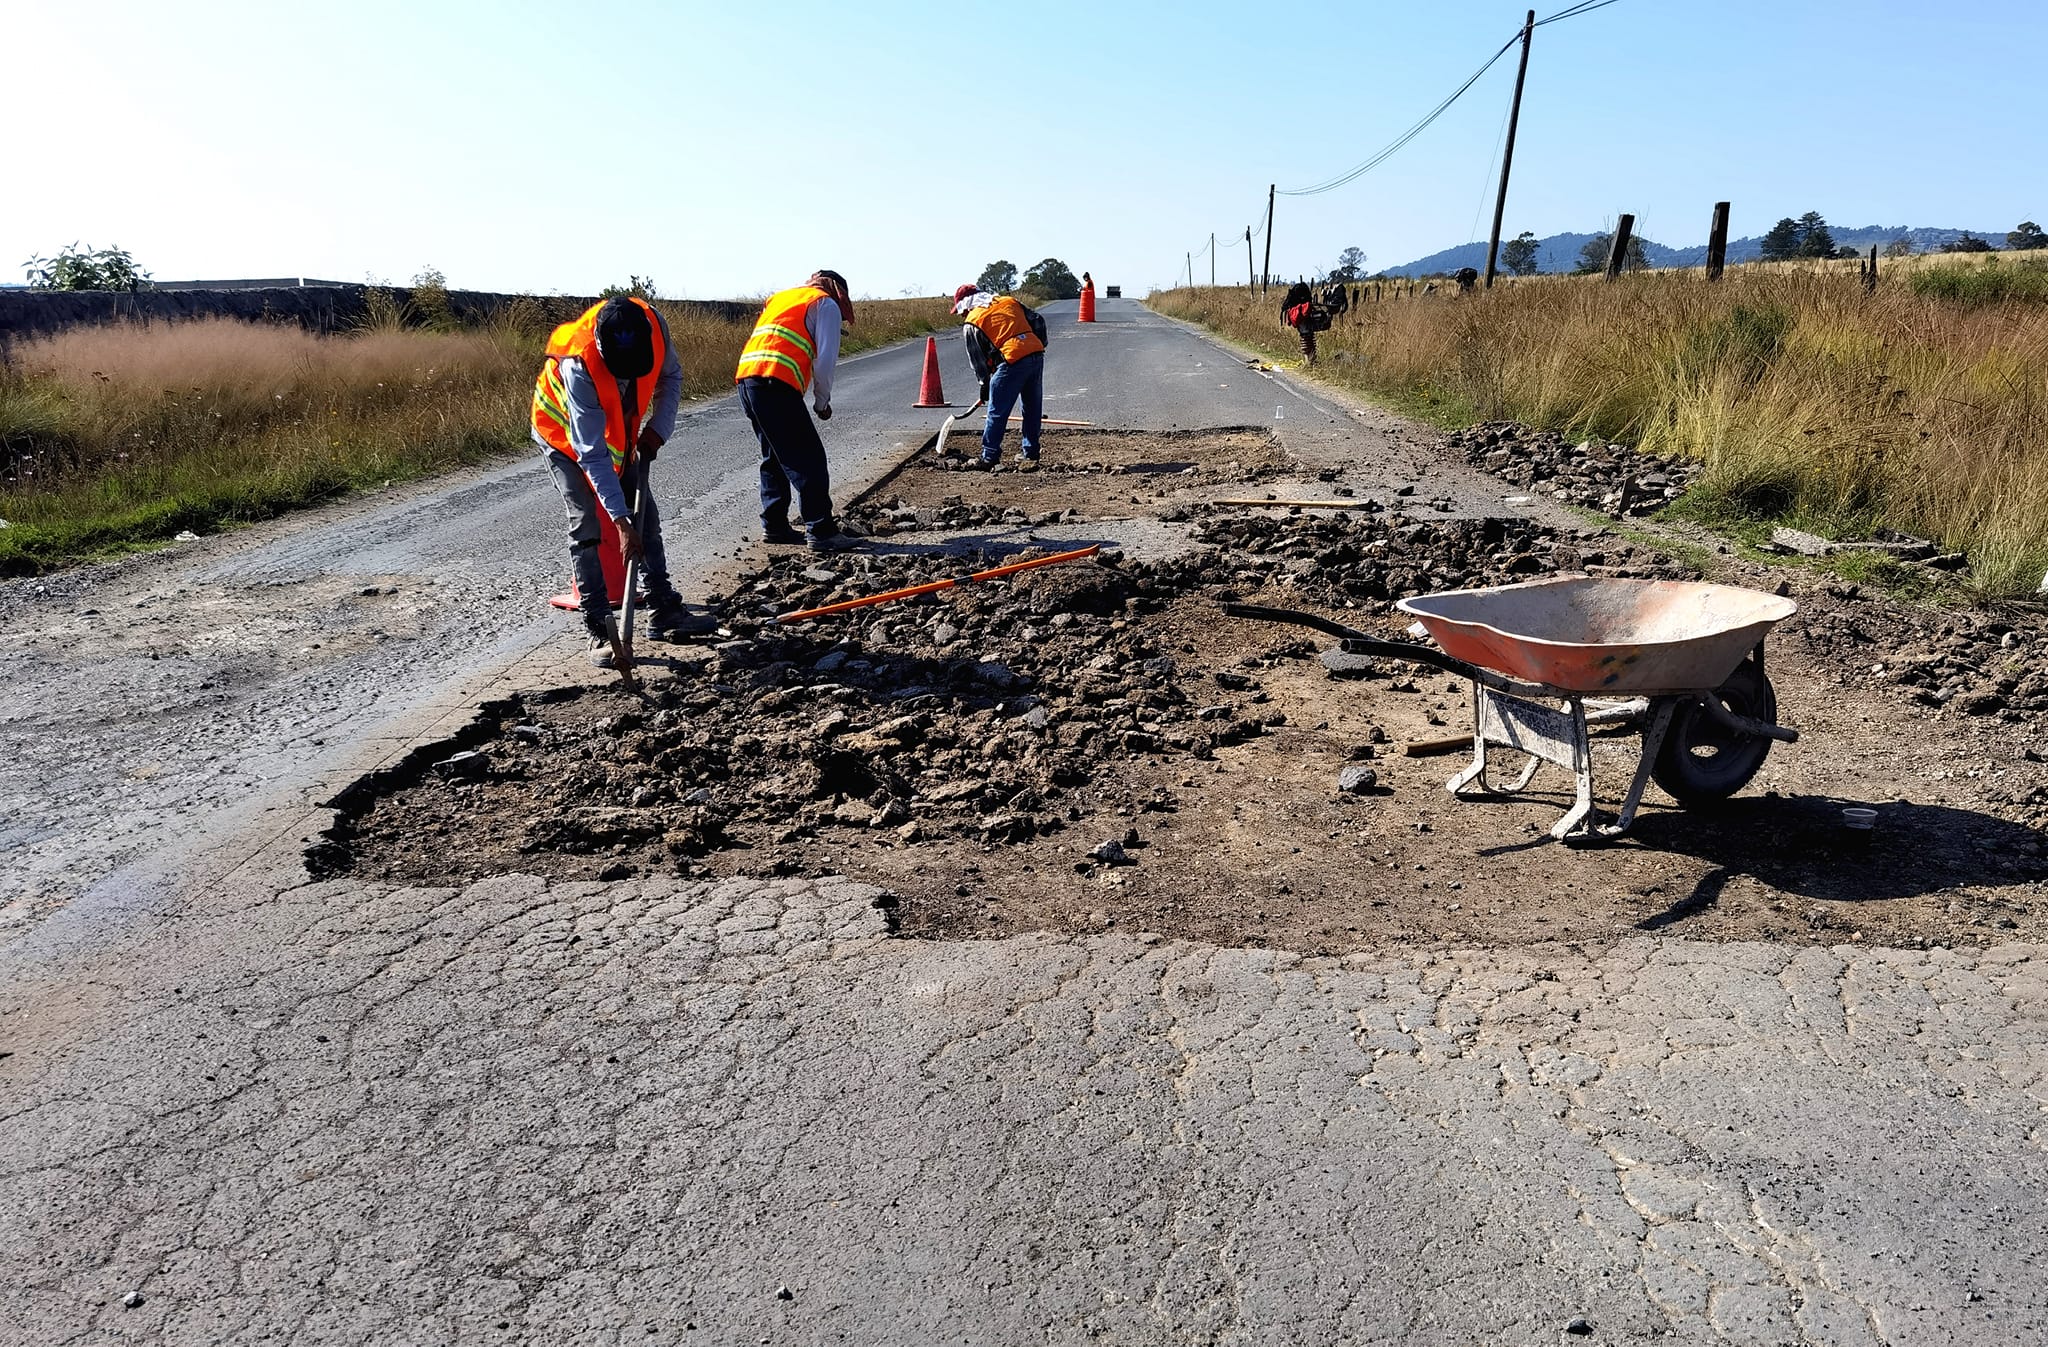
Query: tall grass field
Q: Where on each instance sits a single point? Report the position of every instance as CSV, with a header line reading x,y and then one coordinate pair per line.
x,y
1921,407
119,436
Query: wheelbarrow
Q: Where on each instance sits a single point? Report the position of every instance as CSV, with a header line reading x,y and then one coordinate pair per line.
x,y
1681,663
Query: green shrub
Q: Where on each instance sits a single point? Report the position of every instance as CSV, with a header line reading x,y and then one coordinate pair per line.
x,y
1990,283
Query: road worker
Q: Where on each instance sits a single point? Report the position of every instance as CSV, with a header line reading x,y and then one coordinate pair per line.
x,y
1300,311
794,350
1006,345
603,406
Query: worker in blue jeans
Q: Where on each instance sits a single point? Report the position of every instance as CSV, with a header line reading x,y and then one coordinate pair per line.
x,y
1006,345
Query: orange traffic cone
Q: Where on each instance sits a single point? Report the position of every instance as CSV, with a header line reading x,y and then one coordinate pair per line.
x,y
1088,303
931,394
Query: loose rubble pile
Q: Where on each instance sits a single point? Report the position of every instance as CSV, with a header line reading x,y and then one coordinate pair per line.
x,y
976,712
1370,559
897,514
1970,662
1587,473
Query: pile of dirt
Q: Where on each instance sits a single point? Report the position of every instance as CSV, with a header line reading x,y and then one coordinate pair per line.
x,y
1083,474
1588,473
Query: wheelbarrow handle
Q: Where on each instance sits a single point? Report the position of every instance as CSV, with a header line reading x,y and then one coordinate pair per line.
x,y
1357,642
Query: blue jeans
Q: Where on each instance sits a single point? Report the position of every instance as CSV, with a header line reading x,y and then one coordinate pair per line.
x,y
1024,377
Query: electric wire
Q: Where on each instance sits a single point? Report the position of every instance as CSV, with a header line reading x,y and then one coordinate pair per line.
x,y
1411,133
1342,179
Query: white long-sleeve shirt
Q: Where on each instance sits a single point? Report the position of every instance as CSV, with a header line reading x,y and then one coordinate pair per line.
x,y
586,418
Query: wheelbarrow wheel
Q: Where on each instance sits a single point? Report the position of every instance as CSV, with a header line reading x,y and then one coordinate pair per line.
x,y
1702,760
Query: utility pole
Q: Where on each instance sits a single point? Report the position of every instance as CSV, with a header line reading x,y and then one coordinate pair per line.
x,y
1249,279
1266,272
1212,259
1191,271
1507,154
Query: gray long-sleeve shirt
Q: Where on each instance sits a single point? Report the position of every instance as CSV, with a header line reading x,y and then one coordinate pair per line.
x,y
586,418
822,320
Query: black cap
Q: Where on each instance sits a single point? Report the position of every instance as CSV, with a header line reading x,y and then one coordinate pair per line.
x,y
625,339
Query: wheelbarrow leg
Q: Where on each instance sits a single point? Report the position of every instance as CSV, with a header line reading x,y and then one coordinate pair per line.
x,y
1653,739
1475,775
1580,818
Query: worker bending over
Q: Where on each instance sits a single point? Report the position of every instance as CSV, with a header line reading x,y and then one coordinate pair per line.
x,y
1006,345
794,349
603,406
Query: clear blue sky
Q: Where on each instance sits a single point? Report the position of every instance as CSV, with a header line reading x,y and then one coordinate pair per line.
x,y
727,149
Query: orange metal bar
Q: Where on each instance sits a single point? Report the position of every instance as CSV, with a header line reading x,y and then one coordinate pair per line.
x,y
936,585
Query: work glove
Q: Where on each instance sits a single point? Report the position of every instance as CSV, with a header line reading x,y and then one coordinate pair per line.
x,y
650,443
984,390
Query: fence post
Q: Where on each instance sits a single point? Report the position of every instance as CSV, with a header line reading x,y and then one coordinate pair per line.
x,y
1617,251
1870,272
1717,242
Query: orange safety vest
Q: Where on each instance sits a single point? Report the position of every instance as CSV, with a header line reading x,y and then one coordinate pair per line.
x,y
781,347
1008,329
551,397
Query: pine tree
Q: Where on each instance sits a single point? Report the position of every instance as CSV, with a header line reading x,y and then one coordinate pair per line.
x,y
1815,239
1782,242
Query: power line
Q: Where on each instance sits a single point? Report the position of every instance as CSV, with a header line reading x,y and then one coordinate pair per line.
x,y
1571,12
1587,7
1411,133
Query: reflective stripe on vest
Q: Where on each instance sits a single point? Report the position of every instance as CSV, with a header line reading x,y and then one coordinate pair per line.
x,y
551,394
781,347
1008,329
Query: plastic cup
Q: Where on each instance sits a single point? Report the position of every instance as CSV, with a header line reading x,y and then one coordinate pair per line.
x,y
1858,819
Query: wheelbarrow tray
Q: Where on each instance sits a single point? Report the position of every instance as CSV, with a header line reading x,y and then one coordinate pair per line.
x,y
1595,635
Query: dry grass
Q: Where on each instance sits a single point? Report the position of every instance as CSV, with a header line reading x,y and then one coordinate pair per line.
x,y
1809,401
122,435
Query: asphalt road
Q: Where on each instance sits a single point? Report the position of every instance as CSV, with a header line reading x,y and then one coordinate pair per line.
x,y
267,1110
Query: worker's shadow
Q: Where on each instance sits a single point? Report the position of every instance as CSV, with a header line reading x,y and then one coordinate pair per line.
x,y
1797,844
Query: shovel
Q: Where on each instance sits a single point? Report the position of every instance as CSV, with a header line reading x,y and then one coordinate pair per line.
x,y
946,426
619,627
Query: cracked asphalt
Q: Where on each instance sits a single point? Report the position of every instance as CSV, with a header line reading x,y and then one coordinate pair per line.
x,y
239,1107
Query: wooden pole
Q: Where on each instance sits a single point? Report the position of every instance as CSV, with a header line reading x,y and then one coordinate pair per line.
x,y
1507,154
1717,242
1266,271
1250,279
1191,271
1870,276
1212,259
1617,251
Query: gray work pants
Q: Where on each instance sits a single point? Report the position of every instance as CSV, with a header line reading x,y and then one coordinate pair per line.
x,y
579,502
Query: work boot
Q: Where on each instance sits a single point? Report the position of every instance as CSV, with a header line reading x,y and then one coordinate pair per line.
x,y
832,541
597,641
669,620
781,534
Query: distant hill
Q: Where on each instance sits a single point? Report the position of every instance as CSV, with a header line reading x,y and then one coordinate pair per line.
x,y
1560,252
